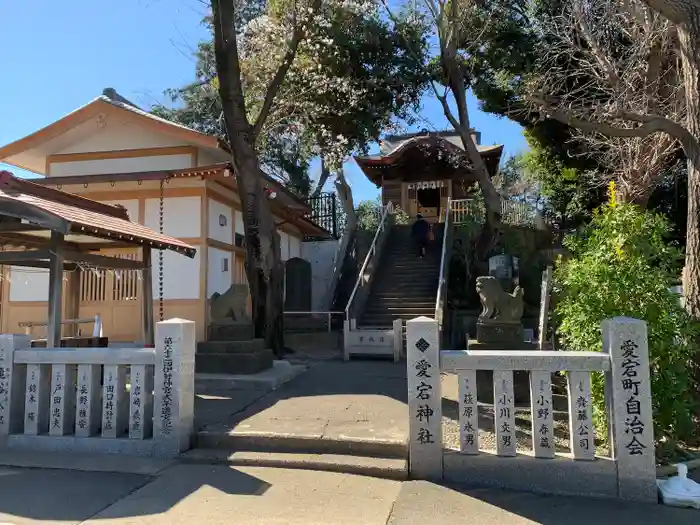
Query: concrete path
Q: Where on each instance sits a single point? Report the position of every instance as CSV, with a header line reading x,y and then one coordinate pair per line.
x,y
43,496
211,495
421,502
333,401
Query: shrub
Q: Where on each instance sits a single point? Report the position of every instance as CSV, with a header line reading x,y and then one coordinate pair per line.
x,y
621,264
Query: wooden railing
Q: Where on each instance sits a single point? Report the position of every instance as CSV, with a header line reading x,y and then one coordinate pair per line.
x,y
515,213
96,324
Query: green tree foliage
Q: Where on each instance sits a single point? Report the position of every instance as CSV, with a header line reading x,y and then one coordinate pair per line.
x,y
369,213
622,265
355,79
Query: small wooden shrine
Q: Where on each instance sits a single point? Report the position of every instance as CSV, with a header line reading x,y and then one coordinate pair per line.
x,y
419,172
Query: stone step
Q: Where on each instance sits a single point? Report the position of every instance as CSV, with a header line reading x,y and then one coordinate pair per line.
x,y
238,363
400,296
403,309
386,321
376,302
231,332
230,347
252,441
387,468
407,286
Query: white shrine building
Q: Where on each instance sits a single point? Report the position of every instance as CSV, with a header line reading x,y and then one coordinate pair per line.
x,y
111,151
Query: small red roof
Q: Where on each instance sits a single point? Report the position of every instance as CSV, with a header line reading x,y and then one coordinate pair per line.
x,y
85,216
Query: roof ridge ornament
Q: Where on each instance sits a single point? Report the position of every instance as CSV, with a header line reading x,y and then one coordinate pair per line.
x,y
112,94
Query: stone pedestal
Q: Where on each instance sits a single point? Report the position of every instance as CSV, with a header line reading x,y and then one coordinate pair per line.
x,y
232,349
501,332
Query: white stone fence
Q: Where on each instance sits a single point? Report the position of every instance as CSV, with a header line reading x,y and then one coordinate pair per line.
x,y
629,473
78,399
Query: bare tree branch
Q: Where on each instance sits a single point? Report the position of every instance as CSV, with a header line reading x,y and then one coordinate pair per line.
x,y
280,74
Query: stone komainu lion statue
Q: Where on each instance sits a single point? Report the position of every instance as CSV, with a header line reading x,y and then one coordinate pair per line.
x,y
229,306
498,304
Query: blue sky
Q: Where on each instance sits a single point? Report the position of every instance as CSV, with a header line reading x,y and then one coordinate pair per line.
x,y
57,56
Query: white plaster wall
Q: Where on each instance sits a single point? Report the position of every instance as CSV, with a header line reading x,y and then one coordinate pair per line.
x,y
217,279
29,284
180,275
132,208
181,218
238,218
119,133
321,255
209,158
123,165
284,245
294,247
216,231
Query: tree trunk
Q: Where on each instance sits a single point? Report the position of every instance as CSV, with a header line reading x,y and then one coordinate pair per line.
x,y
492,200
689,37
345,195
264,267
263,258
322,179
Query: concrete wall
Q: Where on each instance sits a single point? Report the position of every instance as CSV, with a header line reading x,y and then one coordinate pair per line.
x,y
321,255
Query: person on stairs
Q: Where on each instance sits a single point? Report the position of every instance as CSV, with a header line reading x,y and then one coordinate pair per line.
x,y
420,231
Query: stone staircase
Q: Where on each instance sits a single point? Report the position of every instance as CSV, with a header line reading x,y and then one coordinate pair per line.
x,y
405,286
232,349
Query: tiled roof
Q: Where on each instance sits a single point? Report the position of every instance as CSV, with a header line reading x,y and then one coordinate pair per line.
x,y
86,216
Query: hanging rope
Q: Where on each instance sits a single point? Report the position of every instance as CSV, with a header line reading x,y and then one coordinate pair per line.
x,y
160,254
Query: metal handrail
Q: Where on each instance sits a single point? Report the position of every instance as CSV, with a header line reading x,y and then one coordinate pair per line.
x,y
96,329
442,281
385,217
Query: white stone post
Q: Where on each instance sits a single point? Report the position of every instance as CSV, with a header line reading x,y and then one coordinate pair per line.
x,y
37,399
542,412
424,398
88,407
398,339
12,384
62,400
115,401
468,413
173,413
141,405
632,425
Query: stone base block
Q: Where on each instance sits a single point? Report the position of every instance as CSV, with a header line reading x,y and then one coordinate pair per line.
x,y
230,347
495,332
234,363
478,345
231,331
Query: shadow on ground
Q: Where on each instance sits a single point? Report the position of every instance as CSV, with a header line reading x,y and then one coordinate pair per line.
x,y
422,502
64,496
354,390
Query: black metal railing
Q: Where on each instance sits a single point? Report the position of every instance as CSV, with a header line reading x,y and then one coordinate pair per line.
x,y
326,211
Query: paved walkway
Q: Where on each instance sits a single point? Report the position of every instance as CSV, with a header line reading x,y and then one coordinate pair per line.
x,y
333,400
211,495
